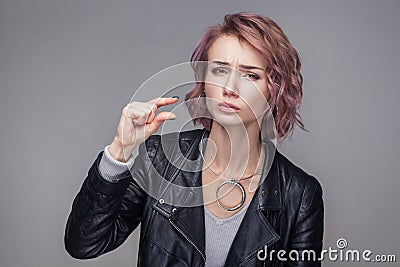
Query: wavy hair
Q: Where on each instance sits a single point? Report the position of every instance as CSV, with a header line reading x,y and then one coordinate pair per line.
x,y
284,80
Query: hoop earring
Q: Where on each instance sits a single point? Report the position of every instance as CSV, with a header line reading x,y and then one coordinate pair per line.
x,y
268,124
203,94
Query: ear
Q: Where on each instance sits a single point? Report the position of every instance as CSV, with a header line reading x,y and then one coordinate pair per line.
x,y
268,128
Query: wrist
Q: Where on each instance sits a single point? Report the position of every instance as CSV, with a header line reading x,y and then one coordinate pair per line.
x,y
119,152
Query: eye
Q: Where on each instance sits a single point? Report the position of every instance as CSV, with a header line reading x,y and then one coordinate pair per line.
x,y
252,76
219,71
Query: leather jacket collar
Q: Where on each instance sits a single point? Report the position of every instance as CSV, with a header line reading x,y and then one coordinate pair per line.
x,y
255,231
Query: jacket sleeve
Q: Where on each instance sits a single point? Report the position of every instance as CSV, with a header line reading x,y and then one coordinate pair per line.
x,y
307,235
104,213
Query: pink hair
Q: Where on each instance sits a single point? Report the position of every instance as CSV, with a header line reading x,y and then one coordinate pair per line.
x,y
284,80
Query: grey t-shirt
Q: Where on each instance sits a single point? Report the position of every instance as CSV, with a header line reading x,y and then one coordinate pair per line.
x,y
220,233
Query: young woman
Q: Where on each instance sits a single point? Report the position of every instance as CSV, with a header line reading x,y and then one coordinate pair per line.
x,y
259,209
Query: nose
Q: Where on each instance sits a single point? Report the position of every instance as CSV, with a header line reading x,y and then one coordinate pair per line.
x,y
231,84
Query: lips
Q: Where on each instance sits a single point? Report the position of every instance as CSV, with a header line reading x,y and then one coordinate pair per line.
x,y
228,105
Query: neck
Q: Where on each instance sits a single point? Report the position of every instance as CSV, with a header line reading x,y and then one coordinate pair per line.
x,y
234,151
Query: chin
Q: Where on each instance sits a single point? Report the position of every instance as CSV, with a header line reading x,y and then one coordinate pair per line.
x,y
228,120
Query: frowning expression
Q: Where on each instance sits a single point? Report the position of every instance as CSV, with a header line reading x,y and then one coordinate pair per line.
x,y
235,83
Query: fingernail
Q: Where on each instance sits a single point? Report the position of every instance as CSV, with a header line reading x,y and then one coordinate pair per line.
x,y
175,96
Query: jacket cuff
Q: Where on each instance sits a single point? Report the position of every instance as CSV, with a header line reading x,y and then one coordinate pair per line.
x,y
101,185
111,169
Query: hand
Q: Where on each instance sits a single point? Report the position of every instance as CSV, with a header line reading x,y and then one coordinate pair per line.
x,y
138,121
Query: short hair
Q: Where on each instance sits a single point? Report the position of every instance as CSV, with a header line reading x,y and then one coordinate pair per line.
x,y
284,80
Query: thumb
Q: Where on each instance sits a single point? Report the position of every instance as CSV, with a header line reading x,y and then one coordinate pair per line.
x,y
159,119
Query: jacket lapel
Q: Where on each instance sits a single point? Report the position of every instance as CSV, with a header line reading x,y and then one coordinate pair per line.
x,y
255,231
189,219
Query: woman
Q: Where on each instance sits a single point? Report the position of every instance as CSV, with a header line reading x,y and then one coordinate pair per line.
x,y
259,209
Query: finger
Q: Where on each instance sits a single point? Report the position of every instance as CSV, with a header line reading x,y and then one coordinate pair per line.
x,y
141,118
159,119
139,121
147,111
162,116
162,101
151,114
138,114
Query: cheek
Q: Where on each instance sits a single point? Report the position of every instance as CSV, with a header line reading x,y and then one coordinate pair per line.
x,y
256,95
212,91
211,100
256,101
263,88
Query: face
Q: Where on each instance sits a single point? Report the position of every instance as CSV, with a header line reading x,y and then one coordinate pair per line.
x,y
235,83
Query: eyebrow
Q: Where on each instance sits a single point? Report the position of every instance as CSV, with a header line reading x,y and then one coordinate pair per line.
x,y
246,67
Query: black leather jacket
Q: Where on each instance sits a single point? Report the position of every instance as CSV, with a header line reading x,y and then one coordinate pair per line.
x,y
286,213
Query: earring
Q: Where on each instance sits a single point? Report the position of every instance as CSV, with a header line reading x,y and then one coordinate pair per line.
x,y
203,94
268,125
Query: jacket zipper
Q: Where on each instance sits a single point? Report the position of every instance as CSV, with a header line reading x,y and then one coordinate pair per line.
x,y
190,241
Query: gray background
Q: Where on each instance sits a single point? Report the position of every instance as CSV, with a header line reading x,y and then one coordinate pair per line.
x,y
67,68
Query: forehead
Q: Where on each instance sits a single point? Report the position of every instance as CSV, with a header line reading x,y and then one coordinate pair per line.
x,y
228,48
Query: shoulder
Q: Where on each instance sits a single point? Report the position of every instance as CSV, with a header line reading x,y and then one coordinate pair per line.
x,y
184,136
167,141
298,184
